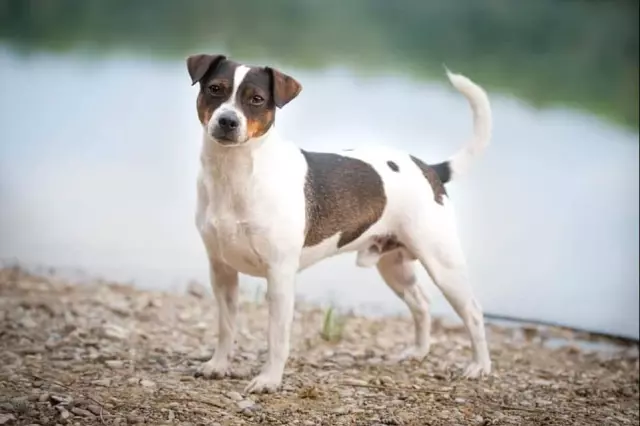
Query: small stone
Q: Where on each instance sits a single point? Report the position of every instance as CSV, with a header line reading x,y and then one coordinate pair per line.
x,y
44,397
386,381
7,419
102,382
460,400
114,332
81,412
64,414
20,405
115,364
340,411
245,404
234,396
147,383
133,380
196,289
134,420
96,409
201,355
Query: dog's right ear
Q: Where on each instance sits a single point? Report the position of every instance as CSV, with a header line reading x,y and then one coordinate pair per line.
x,y
198,65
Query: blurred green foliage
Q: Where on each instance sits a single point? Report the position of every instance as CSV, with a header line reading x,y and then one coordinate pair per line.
x,y
579,54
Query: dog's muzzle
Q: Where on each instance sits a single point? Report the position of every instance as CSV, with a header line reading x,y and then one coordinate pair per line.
x,y
226,128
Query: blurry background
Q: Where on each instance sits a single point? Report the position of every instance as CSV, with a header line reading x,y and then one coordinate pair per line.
x,y
99,138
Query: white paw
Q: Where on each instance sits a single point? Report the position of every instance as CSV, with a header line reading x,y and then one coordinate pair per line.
x,y
476,370
214,369
264,383
413,353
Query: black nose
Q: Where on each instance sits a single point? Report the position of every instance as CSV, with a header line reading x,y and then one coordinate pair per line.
x,y
228,122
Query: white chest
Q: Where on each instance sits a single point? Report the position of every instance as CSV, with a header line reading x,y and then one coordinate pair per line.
x,y
252,211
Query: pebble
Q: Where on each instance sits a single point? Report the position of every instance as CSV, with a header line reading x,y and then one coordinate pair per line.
x,y
147,383
64,414
386,381
96,409
196,289
115,364
114,332
81,412
135,419
102,382
7,419
245,404
234,396
340,411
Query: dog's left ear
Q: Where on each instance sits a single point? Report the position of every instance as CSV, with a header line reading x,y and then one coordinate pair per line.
x,y
198,65
284,88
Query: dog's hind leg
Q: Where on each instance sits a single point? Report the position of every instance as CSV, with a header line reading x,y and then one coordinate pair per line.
x,y
398,271
438,249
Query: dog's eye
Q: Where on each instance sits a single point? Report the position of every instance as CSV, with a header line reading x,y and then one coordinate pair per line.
x,y
257,100
214,89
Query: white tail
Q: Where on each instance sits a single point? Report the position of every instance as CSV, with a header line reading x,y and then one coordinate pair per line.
x,y
482,123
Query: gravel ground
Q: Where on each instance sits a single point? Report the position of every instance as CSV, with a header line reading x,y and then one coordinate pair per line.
x,y
107,353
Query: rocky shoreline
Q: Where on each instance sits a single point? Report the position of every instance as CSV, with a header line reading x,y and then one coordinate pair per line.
x,y
108,353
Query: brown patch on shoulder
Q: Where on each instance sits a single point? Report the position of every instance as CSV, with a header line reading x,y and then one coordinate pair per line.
x,y
343,195
432,177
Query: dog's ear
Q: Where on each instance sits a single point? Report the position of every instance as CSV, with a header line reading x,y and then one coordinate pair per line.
x,y
284,88
198,65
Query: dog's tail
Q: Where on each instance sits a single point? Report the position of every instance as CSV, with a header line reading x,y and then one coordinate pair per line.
x,y
479,101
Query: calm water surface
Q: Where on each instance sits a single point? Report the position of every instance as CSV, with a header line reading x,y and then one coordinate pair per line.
x,y
99,156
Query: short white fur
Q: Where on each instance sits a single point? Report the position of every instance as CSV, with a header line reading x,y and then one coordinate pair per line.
x,y
251,217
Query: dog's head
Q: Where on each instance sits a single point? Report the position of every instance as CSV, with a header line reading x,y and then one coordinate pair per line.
x,y
237,103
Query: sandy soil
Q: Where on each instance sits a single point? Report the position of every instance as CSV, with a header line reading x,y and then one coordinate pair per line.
x,y
106,353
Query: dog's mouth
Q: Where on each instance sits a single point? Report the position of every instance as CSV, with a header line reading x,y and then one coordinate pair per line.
x,y
225,138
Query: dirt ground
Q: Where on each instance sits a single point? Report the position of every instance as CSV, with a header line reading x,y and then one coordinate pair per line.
x,y
106,353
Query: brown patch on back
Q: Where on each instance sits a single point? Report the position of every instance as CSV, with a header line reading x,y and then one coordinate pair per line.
x,y
432,177
343,195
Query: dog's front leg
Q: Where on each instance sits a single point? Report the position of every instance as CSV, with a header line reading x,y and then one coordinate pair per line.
x,y
224,282
280,296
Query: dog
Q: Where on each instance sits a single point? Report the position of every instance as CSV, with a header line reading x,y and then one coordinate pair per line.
x,y
269,209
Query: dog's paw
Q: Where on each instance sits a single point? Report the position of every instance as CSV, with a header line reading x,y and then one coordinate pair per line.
x,y
264,383
477,370
414,353
214,369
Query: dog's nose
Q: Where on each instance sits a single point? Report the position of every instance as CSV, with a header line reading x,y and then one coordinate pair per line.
x,y
228,122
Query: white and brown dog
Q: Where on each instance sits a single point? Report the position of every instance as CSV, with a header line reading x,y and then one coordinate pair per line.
x,y
269,209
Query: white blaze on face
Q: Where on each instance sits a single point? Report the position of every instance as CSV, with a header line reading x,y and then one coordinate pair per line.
x,y
231,105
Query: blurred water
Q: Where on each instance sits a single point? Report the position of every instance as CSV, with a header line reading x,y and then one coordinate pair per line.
x,y
99,155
